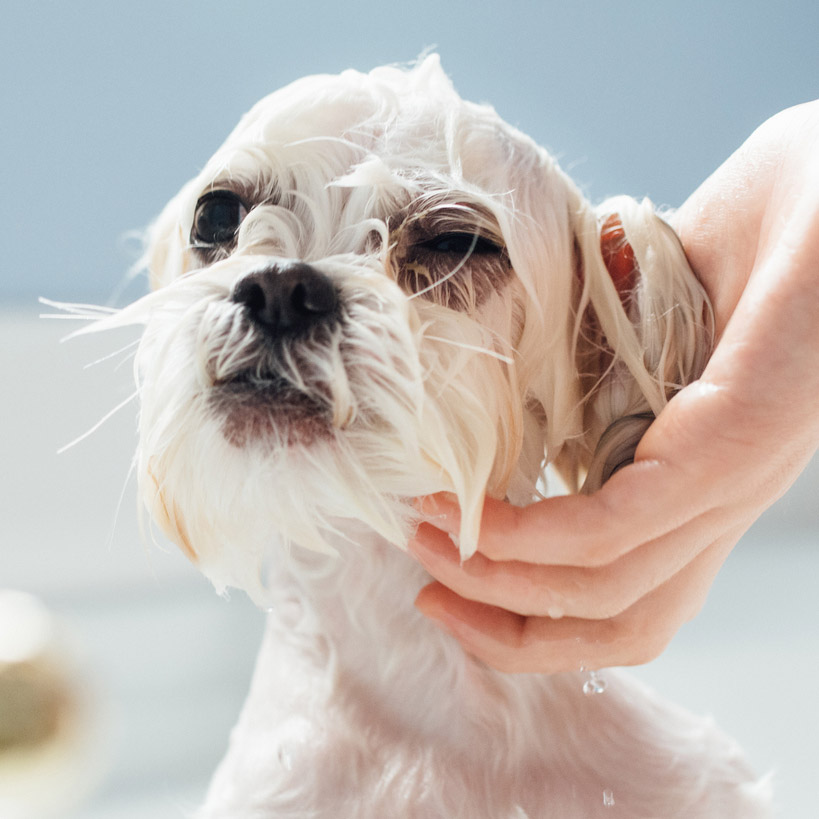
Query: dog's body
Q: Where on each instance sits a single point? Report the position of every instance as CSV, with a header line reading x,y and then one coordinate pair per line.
x,y
376,291
373,714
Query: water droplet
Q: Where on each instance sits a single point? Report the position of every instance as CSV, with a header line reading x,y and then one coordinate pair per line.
x,y
594,685
555,612
267,571
608,798
285,760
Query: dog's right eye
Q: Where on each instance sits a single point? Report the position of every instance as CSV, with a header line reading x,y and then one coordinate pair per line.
x,y
217,218
461,244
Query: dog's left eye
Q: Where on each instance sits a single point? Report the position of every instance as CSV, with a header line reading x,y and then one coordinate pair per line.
x,y
461,244
217,218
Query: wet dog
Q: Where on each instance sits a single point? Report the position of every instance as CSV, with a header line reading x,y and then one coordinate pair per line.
x,y
374,291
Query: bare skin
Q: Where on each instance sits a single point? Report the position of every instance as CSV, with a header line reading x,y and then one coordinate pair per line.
x,y
608,579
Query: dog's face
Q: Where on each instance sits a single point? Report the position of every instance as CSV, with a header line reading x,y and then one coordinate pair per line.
x,y
372,291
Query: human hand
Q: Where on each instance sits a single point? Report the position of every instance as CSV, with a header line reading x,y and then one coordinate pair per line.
x,y
608,579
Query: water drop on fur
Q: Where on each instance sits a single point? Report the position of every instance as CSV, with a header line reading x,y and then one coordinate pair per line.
x,y
285,760
266,572
594,685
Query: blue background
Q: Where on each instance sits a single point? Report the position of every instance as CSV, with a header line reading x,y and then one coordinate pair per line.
x,y
109,107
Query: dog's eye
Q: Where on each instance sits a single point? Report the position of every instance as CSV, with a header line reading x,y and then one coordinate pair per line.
x,y
456,268
217,218
460,244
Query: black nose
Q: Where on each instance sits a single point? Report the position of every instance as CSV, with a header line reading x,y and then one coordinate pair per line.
x,y
287,297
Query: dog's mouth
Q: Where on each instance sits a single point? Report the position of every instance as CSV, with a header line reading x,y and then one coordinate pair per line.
x,y
255,410
265,389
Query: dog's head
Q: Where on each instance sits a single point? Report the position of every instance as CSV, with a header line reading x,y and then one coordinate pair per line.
x,y
375,290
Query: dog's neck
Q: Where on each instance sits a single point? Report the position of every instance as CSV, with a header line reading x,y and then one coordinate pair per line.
x,y
351,619
359,602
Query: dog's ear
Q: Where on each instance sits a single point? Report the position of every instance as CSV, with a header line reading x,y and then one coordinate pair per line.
x,y
167,254
644,327
615,322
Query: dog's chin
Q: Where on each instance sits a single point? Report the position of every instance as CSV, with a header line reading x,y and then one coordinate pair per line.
x,y
269,414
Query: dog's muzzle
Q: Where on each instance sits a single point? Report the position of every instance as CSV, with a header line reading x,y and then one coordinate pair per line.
x,y
288,298
270,372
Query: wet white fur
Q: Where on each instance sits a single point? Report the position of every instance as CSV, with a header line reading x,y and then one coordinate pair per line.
x,y
360,708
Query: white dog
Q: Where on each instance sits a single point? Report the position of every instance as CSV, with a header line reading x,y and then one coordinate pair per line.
x,y
375,291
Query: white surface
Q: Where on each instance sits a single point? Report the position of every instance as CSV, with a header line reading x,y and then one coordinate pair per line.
x,y
172,660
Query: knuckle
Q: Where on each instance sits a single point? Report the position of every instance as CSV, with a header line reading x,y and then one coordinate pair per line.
x,y
509,660
642,639
598,593
597,555
519,523
614,596
645,652
531,594
609,544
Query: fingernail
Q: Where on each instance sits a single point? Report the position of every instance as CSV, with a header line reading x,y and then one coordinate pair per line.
x,y
439,507
414,547
449,625
434,547
438,615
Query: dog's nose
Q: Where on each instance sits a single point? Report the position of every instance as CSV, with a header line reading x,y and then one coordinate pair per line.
x,y
287,297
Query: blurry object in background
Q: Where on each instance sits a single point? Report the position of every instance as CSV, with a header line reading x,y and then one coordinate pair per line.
x,y
47,731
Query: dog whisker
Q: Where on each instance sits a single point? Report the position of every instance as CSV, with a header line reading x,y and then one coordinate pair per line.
x,y
100,423
472,347
76,311
130,346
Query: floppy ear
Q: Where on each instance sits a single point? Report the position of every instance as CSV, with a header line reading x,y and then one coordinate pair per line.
x,y
645,327
615,322
166,256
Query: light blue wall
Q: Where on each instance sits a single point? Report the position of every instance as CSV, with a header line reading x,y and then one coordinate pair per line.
x,y
109,107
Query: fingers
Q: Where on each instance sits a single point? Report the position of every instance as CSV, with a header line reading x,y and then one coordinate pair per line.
x,y
588,530
686,463
514,643
597,592
605,579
